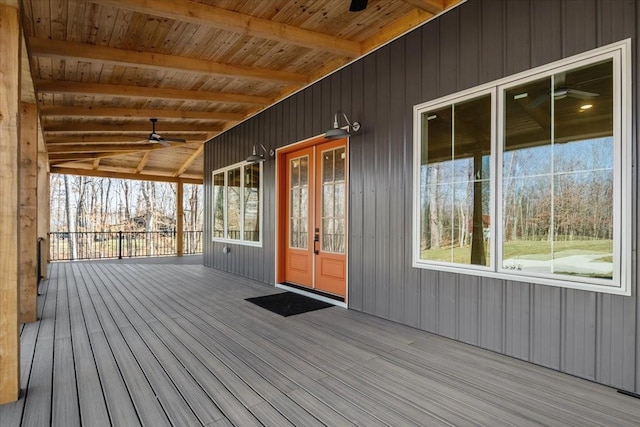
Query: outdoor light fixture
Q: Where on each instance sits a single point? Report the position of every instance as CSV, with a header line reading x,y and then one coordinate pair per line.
x,y
257,158
337,132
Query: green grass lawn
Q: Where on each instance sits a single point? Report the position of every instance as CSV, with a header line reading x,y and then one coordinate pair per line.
x,y
528,249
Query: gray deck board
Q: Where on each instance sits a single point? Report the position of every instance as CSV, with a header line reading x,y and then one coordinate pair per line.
x,y
169,342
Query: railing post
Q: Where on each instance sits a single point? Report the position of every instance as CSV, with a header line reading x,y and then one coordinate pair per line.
x,y
120,244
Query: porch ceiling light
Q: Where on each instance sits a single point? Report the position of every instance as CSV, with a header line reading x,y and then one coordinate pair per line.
x,y
257,158
338,132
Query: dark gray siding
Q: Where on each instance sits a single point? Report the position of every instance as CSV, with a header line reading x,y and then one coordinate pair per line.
x,y
590,335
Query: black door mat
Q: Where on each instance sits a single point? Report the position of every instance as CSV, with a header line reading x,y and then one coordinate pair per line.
x,y
288,303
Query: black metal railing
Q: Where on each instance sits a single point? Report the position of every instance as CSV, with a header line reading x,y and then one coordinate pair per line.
x,y
65,246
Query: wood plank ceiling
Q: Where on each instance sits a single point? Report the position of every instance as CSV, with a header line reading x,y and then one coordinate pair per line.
x,y
103,68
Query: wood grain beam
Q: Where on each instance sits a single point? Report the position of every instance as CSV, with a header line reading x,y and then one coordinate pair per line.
x,y
50,86
57,158
61,139
189,161
156,61
161,128
72,111
44,205
434,7
214,17
9,139
149,176
28,213
406,23
143,161
98,148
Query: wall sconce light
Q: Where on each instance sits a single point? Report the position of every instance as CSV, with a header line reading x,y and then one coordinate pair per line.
x,y
257,158
337,132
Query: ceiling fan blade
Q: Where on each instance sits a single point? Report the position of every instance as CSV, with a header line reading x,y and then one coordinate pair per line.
x,y
163,142
539,100
581,94
174,139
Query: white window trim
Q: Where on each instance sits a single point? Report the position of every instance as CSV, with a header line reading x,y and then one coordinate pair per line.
x,y
623,197
225,239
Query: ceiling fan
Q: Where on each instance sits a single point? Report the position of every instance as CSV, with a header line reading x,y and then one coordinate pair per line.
x,y
562,91
358,5
155,138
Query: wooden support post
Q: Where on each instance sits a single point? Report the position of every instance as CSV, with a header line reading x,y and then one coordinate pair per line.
x,y
9,137
44,206
179,218
27,214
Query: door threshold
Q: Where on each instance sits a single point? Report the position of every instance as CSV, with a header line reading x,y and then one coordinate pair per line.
x,y
329,299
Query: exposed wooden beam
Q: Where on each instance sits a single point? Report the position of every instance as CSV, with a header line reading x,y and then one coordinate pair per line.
x,y
96,163
50,86
64,111
61,139
211,16
189,161
57,158
434,7
143,162
408,22
28,212
156,61
123,175
161,128
44,204
81,148
9,139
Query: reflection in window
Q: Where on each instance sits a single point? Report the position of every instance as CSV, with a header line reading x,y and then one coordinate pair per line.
x,y
558,174
333,196
557,209
298,215
218,205
233,204
237,205
454,183
251,200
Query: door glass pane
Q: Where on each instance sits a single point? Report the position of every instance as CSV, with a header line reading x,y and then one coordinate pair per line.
x,y
233,204
333,205
299,203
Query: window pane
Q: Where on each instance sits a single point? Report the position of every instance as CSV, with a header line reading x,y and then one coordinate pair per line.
x,y
526,224
252,202
233,204
218,205
558,174
455,193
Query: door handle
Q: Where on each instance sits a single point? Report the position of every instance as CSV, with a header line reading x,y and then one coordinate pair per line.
x,y
316,240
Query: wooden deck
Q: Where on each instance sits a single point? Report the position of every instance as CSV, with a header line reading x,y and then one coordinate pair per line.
x,y
166,341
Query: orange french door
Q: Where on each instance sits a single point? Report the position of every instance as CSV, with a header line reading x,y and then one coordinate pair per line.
x,y
315,237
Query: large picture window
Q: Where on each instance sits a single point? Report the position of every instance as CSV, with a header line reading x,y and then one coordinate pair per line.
x,y
237,203
529,178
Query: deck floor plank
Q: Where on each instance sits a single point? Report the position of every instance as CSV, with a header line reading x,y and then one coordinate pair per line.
x,y
37,408
158,342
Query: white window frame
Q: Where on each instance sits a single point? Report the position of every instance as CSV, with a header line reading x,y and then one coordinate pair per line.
x,y
620,53
240,241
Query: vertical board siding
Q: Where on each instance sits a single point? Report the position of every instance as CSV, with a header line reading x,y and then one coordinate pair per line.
x,y
590,335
